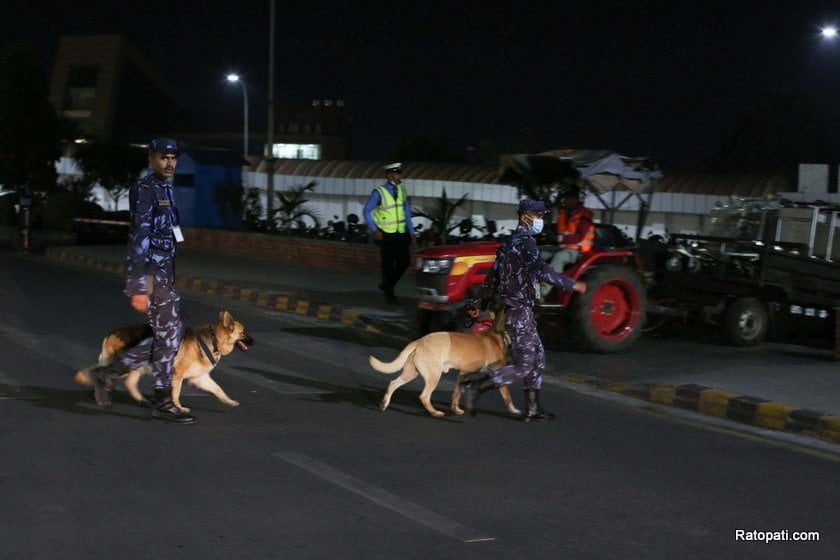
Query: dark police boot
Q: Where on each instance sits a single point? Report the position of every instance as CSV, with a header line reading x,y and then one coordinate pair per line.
x,y
533,412
471,390
165,409
104,379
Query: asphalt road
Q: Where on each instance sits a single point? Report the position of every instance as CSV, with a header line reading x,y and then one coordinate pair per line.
x,y
308,467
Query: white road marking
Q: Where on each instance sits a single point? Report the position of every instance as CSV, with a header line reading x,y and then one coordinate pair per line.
x,y
385,499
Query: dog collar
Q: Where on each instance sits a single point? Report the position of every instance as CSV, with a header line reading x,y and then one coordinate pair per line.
x,y
210,355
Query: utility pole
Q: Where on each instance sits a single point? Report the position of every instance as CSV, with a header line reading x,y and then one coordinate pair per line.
x,y
269,148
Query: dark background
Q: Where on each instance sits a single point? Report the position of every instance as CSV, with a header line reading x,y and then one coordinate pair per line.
x,y
645,78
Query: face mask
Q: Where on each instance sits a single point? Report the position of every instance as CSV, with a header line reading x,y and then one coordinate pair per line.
x,y
536,226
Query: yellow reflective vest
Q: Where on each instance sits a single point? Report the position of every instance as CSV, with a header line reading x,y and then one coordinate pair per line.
x,y
390,214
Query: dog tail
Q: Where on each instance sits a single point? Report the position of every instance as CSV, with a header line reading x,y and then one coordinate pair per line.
x,y
83,377
397,364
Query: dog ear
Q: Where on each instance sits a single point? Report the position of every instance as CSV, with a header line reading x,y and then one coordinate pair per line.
x,y
226,319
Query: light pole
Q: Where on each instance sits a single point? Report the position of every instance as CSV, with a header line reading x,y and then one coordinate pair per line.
x,y
232,78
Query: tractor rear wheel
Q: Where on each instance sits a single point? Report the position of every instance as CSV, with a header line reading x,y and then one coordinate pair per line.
x,y
609,317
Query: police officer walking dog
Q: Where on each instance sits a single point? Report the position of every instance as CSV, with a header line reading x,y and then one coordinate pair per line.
x,y
150,283
388,216
516,272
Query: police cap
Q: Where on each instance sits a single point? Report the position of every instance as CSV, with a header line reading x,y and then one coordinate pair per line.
x,y
163,146
393,168
530,205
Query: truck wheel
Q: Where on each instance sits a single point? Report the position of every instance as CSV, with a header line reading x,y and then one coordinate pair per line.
x,y
608,318
746,321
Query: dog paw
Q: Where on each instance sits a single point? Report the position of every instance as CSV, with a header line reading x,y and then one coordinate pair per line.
x,y
383,405
437,414
184,409
232,404
457,410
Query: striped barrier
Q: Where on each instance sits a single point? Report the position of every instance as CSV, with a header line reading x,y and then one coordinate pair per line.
x,y
724,404
342,314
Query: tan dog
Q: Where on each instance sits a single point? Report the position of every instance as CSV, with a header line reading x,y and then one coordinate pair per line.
x,y
191,363
434,354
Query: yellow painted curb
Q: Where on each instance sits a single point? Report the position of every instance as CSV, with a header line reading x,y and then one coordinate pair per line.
x,y
715,401
773,415
662,394
830,428
324,311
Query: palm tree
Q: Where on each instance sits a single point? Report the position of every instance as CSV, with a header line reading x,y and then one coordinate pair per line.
x,y
292,209
441,214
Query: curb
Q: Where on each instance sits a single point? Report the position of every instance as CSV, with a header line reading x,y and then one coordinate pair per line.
x,y
724,404
342,314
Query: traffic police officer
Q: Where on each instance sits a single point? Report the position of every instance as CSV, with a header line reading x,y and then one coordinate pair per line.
x,y
516,273
388,216
150,282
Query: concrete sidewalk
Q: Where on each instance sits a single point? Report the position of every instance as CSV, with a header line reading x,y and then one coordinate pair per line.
x,y
803,400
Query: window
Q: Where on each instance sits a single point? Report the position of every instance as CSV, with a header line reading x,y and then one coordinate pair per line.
x,y
81,90
297,151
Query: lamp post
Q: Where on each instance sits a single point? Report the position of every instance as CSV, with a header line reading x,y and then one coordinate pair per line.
x,y
234,78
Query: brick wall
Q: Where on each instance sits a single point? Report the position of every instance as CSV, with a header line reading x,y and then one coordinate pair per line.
x,y
331,254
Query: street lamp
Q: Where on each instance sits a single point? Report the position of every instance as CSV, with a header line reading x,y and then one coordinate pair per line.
x,y
829,32
232,78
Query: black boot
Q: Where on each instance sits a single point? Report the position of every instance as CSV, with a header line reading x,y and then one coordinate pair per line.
x,y
471,390
165,409
533,412
104,379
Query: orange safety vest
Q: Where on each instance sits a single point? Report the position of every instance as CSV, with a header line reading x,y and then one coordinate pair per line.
x,y
571,226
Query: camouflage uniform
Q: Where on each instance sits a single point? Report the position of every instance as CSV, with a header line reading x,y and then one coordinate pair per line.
x,y
515,280
150,269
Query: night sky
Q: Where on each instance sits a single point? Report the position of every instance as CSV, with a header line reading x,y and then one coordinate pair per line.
x,y
651,78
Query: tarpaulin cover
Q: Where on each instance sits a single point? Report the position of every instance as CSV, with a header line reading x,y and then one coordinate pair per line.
x,y
597,170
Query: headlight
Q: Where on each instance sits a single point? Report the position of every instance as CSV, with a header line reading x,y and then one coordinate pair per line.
x,y
436,266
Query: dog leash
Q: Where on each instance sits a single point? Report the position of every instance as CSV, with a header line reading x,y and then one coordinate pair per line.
x,y
203,345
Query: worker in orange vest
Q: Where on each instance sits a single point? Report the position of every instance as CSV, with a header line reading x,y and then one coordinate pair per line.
x,y
575,232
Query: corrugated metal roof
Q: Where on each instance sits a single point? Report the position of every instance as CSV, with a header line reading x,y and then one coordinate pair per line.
x,y
751,185
459,172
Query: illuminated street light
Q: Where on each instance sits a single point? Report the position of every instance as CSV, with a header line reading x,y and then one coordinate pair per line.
x,y
829,32
234,78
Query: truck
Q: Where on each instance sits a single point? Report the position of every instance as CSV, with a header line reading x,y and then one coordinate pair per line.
x,y
761,267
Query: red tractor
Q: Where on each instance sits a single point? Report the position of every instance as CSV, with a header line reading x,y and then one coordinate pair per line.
x,y
609,317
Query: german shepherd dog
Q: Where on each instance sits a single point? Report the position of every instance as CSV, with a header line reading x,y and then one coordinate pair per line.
x,y
192,362
434,354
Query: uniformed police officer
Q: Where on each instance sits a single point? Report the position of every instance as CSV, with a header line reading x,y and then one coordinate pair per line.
x,y
388,216
515,280
150,282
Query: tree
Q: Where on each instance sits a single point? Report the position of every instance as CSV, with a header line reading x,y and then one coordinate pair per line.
x,y
252,210
774,136
442,214
112,164
292,209
30,131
